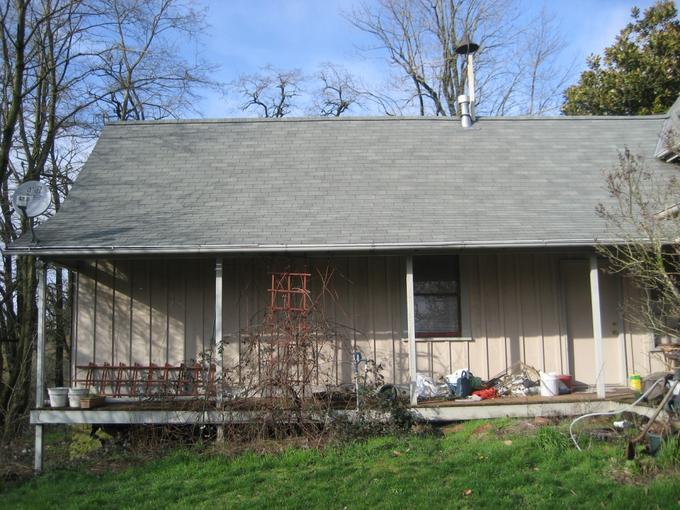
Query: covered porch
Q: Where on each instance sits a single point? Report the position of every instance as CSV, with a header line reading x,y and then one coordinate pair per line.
x,y
510,305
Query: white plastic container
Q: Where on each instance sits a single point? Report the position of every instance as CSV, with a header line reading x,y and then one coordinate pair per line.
x,y
550,384
58,396
75,394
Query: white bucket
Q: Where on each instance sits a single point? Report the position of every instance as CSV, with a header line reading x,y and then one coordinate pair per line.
x,y
550,384
75,394
58,396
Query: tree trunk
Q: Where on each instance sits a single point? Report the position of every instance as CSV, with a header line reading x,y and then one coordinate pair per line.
x,y
15,392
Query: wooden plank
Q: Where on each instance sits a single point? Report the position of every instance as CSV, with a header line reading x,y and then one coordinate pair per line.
x,y
85,317
207,268
141,314
122,317
159,312
194,311
382,320
345,320
103,351
493,312
176,271
531,312
550,329
511,307
478,360
324,281
230,319
397,293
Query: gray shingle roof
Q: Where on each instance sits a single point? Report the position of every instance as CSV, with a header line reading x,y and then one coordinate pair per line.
x,y
247,185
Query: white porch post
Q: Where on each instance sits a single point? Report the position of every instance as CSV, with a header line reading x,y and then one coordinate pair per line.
x,y
411,321
597,326
40,365
218,332
219,354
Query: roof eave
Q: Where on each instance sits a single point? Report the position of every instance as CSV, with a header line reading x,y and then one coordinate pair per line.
x,y
299,248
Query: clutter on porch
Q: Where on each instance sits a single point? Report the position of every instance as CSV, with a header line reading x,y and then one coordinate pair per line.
x,y
519,380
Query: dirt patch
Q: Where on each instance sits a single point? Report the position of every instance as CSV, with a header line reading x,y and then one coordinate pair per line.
x,y
452,429
485,428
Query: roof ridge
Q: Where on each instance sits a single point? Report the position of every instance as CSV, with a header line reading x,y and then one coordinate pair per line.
x,y
519,118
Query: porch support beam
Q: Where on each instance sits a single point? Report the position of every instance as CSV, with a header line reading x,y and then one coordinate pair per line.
x,y
597,326
40,365
219,362
411,323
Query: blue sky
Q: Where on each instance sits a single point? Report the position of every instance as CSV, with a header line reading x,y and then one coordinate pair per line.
x,y
244,35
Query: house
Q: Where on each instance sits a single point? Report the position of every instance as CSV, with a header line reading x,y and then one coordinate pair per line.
x,y
450,247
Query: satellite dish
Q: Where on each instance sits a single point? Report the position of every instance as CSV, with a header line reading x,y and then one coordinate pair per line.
x,y
32,198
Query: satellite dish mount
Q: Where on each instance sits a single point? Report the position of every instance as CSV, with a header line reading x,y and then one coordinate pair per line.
x,y
31,199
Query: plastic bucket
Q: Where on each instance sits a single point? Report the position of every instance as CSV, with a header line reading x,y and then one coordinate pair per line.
x,y
75,394
58,396
550,384
635,382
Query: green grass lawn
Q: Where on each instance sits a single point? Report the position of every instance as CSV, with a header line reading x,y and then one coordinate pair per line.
x,y
474,466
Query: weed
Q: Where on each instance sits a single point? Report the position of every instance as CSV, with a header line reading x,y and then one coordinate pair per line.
x,y
669,454
552,439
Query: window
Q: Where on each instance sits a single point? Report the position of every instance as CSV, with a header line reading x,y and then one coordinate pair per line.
x,y
436,289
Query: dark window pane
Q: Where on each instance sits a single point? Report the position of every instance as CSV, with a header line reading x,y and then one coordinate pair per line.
x,y
437,295
435,287
436,314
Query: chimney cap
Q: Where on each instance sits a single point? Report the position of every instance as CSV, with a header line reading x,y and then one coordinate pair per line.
x,y
466,46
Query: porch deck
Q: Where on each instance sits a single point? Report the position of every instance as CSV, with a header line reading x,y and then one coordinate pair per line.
x,y
188,412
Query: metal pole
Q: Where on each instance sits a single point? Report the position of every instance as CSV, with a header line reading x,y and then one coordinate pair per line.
x,y
40,365
597,326
219,359
471,84
411,322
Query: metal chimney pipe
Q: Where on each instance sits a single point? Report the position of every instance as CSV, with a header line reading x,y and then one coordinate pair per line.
x,y
471,83
465,116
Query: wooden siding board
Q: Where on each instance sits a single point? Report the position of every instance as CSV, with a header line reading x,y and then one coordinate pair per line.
x,y
550,331
141,315
104,324
478,362
511,308
122,319
194,312
176,291
207,269
230,319
159,310
86,318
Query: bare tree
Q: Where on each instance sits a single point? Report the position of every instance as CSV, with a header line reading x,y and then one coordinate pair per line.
x,y
338,91
64,61
645,216
419,38
140,62
271,92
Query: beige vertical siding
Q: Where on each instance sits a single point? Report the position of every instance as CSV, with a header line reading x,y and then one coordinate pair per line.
x,y
529,307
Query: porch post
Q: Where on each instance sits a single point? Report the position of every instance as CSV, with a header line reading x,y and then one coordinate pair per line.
x,y
40,365
219,363
597,326
219,355
411,321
